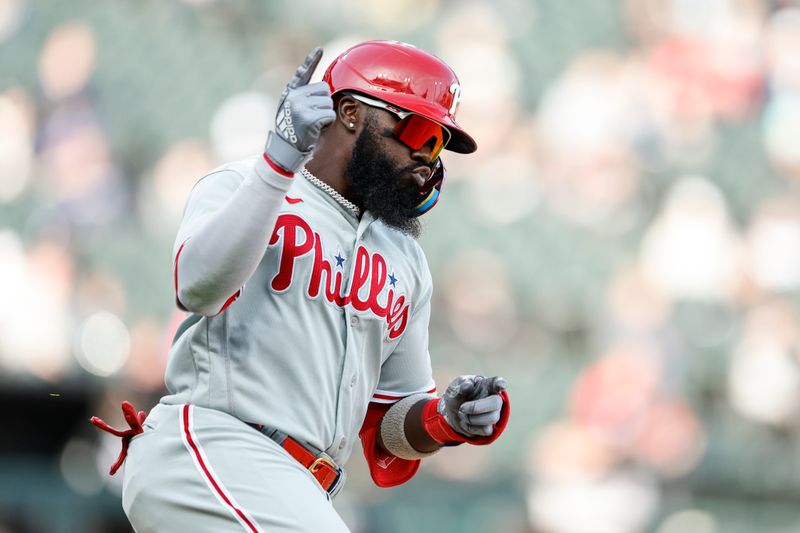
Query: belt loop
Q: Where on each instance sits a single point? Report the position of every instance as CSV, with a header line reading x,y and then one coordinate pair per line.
x,y
276,435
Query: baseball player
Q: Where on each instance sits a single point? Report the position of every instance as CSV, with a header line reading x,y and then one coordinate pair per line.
x,y
309,301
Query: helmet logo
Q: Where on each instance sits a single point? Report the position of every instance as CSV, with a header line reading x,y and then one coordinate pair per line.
x,y
455,89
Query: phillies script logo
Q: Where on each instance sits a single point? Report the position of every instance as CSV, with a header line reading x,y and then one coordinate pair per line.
x,y
370,274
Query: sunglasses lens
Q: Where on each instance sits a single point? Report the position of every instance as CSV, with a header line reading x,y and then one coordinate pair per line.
x,y
415,132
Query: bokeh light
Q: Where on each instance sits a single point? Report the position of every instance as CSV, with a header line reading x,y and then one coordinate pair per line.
x,y
774,241
12,13
68,60
163,195
692,520
691,250
764,380
16,146
783,48
238,126
34,321
102,344
781,124
393,15
78,467
619,502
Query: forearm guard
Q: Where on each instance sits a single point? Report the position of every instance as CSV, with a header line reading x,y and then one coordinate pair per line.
x,y
440,430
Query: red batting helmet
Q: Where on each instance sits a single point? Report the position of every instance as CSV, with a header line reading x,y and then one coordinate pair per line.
x,y
405,76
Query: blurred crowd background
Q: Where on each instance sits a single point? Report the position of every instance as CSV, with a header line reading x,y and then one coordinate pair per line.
x,y
624,247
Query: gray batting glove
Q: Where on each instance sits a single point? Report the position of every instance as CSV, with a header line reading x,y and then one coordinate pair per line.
x,y
472,405
302,113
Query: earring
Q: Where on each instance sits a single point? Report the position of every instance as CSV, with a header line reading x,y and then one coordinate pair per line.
x,y
351,124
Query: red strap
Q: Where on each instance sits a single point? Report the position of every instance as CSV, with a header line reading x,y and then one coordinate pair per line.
x,y
296,450
134,420
440,431
324,472
437,427
274,166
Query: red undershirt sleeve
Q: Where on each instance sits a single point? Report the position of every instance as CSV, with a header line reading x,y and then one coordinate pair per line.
x,y
385,469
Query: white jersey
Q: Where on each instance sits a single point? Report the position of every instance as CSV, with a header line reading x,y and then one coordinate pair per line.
x,y
335,316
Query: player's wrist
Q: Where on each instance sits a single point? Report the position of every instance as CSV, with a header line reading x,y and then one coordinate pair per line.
x,y
275,167
418,437
437,426
401,433
283,156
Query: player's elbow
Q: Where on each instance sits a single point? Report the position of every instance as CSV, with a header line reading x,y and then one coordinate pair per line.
x,y
197,301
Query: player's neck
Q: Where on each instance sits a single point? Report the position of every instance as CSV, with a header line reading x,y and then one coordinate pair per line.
x,y
330,169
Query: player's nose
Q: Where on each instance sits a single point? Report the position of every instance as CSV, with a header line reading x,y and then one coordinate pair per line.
x,y
423,155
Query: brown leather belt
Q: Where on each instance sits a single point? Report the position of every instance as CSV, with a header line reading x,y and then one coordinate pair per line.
x,y
324,469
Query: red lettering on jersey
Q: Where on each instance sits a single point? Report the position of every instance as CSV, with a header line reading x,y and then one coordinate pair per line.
x,y
360,277
398,318
291,226
370,273
321,265
379,275
333,285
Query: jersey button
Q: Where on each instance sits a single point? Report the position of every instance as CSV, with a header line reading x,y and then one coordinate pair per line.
x,y
353,381
354,321
342,443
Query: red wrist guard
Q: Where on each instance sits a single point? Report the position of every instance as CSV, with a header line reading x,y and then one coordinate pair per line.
x,y
437,427
277,168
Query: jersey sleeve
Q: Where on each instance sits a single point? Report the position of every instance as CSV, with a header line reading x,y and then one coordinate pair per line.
x,y
407,371
226,226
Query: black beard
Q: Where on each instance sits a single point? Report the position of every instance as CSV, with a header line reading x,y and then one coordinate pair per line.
x,y
377,186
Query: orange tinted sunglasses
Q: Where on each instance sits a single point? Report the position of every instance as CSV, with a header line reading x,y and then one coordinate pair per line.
x,y
415,131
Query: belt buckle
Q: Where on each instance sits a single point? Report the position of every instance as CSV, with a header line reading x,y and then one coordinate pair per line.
x,y
325,459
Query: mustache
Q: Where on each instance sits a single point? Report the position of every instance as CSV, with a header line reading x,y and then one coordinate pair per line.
x,y
411,168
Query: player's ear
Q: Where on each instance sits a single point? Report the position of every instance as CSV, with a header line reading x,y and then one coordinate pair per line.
x,y
349,112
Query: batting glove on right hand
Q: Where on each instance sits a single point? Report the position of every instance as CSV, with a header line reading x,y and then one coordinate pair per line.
x,y
302,113
471,405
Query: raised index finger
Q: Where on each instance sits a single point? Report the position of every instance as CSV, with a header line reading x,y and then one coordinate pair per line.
x,y
304,72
